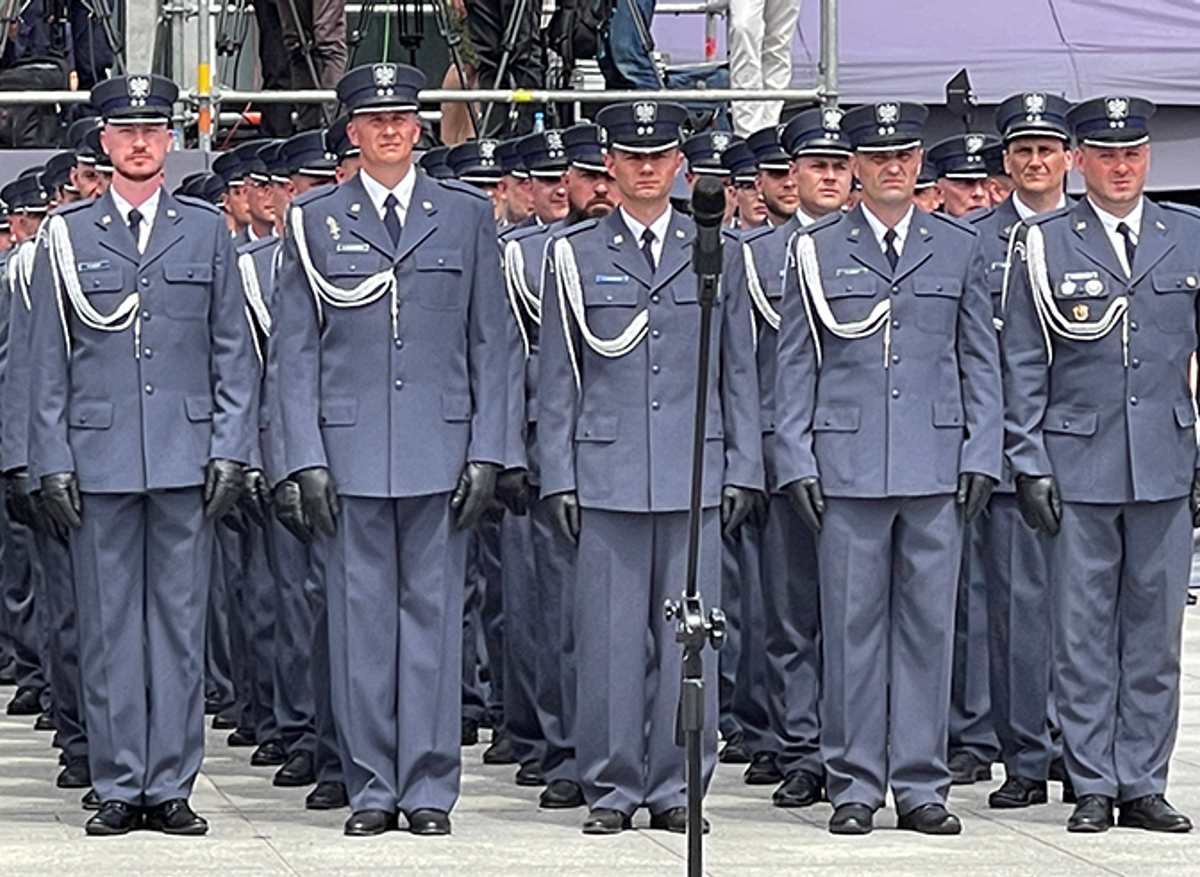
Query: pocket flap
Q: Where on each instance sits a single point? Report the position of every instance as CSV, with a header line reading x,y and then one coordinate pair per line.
x,y
947,414
1185,414
110,280
1174,281
90,415
844,418
596,428
850,286
456,407
947,287
353,264
439,260
187,272
1070,422
599,295
339,412
198,408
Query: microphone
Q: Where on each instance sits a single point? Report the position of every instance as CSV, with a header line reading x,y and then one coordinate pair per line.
x,y
708,211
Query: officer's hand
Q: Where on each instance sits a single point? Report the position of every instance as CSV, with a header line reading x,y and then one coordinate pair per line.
x,y
761,509
18,501
475,490
256,496
1194,499
807,500
46,523
236,520
60,493
1040,503
974,491
736,505
318,499
564,511
512,489
222,486
289,509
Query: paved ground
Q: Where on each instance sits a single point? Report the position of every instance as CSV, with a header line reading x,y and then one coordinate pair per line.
x,y
260,830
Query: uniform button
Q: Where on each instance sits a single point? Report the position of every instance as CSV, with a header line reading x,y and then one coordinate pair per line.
x,y
654,368
399,343
399,385
149,389
895,357
895,394
145,316
895,324
1133,326
654,404
145,281
1066,424
655,333
608,298
1133,400
895,290
148,353
654,298
1137,363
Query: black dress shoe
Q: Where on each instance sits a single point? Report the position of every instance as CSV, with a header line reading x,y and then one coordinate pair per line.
x,y
802,788
1153,813
212,706
1017,792
329,795
429,822
561,795
175,817
966,769
734,751
530,774
114,817
8,673
674,821
76,775
90,800
368,823
470,732
269,754
604,821
26,702
296,771
45,722
242,737
852,819
226,719
762,770
501,751
930,819
1092,815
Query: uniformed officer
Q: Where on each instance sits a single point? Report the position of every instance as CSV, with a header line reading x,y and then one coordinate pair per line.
x,y
143,377
743,178
888,437
1100,421
477,163
616,393
776,176
927,196
338,143
1004,558
962,172
393,350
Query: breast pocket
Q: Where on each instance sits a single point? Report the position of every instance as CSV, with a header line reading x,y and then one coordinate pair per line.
x,y
937,303
1175,300
188,289
104,289
851,297
349,267
440,281
610,306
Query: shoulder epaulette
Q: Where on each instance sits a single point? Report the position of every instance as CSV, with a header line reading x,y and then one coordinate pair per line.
x,y
1176,207
259,244
826,221
977,216
745,235
957,222
467,188
314,194
582,225
1048,215
64,209
529,231
192,201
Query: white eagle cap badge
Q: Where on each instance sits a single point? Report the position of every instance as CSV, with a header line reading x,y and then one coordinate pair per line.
x,y
831,119
139,90
720,142
887,114
973,143
1035,105
554,144
1117,108
487,151
384,75
645,112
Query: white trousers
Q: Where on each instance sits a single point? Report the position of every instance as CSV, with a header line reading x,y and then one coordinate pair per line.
x,y
760,57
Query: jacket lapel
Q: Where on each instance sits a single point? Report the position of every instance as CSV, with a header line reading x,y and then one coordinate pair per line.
x,y
112,233
623,250
420,221
1091,240
1154,243
166,231
917,246
864,247
676,250
362,219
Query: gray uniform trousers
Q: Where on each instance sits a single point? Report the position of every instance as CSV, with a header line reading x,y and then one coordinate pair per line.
x,y
888,569
742,598
628,663
17,595
142,572
218,660
292,677
522,647
250,631
971,726
483,626
1020,615
399,729
329,756
1120,576
56,603
792,630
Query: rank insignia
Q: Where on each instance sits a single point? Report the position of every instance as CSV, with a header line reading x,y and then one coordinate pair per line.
x,y
335,232
1080,312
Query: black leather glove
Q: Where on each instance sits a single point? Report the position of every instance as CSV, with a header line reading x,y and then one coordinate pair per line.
x,y
236,520
1194,499
290,510
60,494
318,499
974,491
564,511
808,501
18,499
475,490
512,489
736,505
256,496
222,486
46,523
1040,503
761,510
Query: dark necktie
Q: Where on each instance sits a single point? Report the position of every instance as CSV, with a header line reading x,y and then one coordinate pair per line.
x,y
391,219
1130,246
889,247
648,248
135,227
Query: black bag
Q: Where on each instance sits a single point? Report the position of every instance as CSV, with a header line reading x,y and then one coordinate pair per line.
x,y
576,28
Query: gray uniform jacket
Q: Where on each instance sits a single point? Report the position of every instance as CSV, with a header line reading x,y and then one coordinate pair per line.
x,y
394,395
907,407
146,406
622,439
1111,418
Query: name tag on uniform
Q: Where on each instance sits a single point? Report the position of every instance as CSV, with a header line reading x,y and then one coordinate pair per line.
x,y
354,248
1082,283
102,265
848,272
612,278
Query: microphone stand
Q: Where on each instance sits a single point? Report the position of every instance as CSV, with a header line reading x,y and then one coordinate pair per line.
x,y
693,629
